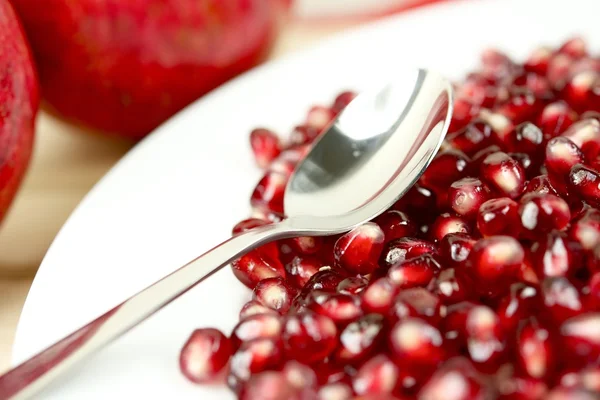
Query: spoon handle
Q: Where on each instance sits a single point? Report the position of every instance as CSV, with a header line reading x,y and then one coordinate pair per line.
x,y
32,375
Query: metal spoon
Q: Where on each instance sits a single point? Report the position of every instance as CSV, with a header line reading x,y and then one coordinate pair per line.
x,y
366,160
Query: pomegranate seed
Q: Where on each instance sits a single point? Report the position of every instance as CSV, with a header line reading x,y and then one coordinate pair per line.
x,y
522,301
464,111
395,224
309,337
587,378
455,380
303,134
525,138
534,83
260,326
268,193
252,357
540,184
326,279
342,100
574,47
451,286
446,167
466,196
358,250
419,303
522,388
556,255
586,229
503,175
248,224
499,217
585,183
401,249
535,350
335,391
319,117
301,269
496,65
307,244
478,158
379,296
561,298
274,293
560,393
538,60
273,383
559,68
256,266
341,308
556,118
581,337
300,376
494,263
253,307
561,155
353,285
586,135
204,355
265,145
474,137
286,163
594,288
455,249
417,202
447,223
484,337
501,124
579,89
360,339
417,271
531,167
521,107
543,212
416,343
377,375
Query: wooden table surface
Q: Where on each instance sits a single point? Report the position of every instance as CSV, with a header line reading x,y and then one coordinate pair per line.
x,y
67,162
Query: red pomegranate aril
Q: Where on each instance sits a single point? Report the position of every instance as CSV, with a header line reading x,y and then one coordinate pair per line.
x,y
524,138
521,107
417,203
561,393
419,303
268,193
574,47
540,184
300,376
415,343
275,384
466,196
248,224
376,376
503,175
451,286
446,167
477,159
309,337
522,388
303,134
557,255
501,125
359,339
496,65
335,391
585,182
586,229
581,338
342,100
587,378
307,244
265,145
536,351
274,293
481,91
455,380
253,307
395,224
455,248
561,155
286,163
538,60
260,326
256,266
353,285
499,216
301,268
522,301
561,299
579,90
474,137
327,279
448,223
559,68
404,248
414,272
530,166
543,212
379,296
358,251
252,357
556,118
204,355
341,308
319,117
586,135
464,111
485,340
534,83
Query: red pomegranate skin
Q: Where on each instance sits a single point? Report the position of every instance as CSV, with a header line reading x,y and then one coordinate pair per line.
x,y
126,66
19,103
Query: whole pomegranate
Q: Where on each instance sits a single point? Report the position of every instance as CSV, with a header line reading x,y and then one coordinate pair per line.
x,y
126,66
19,102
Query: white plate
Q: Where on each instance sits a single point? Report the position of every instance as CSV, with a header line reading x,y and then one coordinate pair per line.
x,y
180,191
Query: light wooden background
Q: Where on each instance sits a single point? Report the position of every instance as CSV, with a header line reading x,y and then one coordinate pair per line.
x,y
67,163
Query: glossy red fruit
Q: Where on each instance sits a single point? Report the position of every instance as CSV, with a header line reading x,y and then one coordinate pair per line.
x,y
536,350
556,118
594,288
466,196
271,382
557,255
309,337
447,223
270,249
307,245
269,191
253,307
301,268
416,343
579,89
300,376
501,124
562,393
446,167
252,357
131,65
586,229
303,135
522,301
477,159
204,355
455,380
454,249
318,117
260,326
524,138
485,338
496,65
360,339
335,391
534,83
256,266
414,272
417,202
521,107
540,184
395,224
379,296
538,60
418,303
586,135
358,251
286,163
499,217
274,293
587,378
353,285
341,308
327,279
266,146
561,155
452,286
541,213
561,299
585,183
503,175
581,338
474,137
464,111
342,100
376,376
558,71
522,388
401,249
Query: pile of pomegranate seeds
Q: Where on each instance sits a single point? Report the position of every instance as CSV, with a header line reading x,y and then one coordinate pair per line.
x,y
483,282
